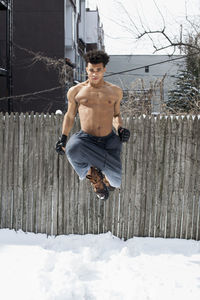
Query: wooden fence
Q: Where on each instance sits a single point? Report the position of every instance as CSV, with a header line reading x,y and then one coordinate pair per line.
x,y
159,196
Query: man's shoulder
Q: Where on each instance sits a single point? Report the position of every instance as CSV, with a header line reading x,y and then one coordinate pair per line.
x,y
114,86
76,88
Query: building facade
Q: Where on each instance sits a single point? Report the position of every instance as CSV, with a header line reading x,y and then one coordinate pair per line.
x,y
83,32
143,72
49,41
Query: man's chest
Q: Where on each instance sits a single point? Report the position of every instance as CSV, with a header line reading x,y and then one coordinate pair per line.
x,y
94,97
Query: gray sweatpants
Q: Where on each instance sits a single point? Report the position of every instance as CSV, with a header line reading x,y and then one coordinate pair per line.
x,y
84,150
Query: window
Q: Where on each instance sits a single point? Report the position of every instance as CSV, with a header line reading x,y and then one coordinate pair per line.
x,y
146,69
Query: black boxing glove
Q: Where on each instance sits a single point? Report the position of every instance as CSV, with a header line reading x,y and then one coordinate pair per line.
x,y
124,134
61,143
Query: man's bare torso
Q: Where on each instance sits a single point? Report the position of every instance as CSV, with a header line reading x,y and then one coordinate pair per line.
x,y
97,107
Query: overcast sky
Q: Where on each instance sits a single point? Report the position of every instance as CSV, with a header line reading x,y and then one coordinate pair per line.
x,y
124,20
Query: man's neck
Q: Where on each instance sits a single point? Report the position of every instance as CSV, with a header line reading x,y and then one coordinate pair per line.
x,y
98,85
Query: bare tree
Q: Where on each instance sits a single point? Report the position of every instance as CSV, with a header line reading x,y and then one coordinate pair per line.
x,y
187,41
60,65
176,41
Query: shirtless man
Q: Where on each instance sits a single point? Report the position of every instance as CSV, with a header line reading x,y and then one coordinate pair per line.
x,y
94,151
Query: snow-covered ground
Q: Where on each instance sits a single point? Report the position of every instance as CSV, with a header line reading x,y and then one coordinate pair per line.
x,y
97,267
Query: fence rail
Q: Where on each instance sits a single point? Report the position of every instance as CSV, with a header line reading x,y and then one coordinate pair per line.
x,y
159,196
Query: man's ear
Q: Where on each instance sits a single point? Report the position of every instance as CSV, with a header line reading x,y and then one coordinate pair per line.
x,y
104,69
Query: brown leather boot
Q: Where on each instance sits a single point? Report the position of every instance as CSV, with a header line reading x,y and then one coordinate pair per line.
x,y
107,183
96,178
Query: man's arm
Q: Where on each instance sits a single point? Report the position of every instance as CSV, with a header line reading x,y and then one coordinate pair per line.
x,y
123,133
68,121
69,117
117,120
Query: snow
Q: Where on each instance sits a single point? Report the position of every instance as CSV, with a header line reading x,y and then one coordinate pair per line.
x,y
96,267
58,112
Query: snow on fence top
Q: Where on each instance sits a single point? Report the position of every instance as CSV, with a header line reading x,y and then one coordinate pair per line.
x,y
159,196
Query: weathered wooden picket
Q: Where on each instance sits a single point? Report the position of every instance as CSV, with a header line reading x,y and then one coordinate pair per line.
x,y
159,196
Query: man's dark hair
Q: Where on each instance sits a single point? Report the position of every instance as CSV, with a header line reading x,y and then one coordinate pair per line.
x,y
96,57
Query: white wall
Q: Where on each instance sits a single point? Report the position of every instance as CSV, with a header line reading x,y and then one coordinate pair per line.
x,y
82,25
70,31
92,27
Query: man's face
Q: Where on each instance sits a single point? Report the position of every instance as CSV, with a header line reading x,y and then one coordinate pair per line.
x,y
95,72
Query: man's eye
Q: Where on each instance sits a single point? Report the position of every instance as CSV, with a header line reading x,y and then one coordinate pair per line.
x,y
98,70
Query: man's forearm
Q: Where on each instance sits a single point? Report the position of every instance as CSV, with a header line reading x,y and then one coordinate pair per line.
x,y
117,122
68,123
